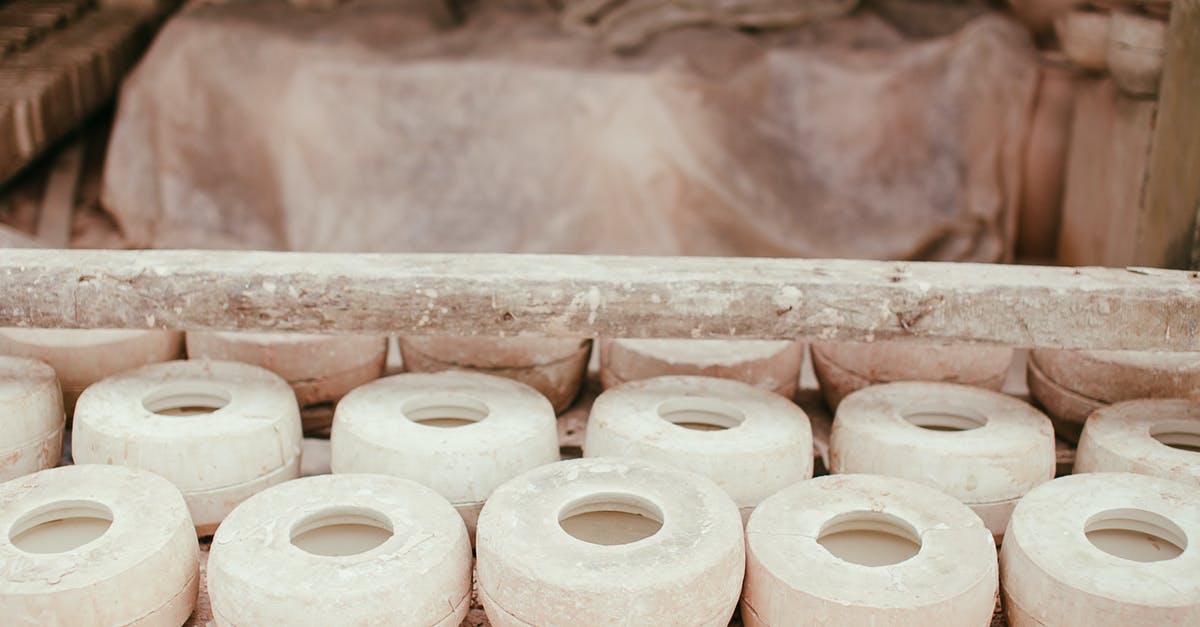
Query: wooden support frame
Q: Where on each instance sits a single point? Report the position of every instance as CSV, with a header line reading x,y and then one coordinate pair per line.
x,y
563,295
1132,190
1168,224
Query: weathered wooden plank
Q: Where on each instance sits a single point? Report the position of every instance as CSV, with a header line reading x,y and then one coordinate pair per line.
x,y
610,296
65,73
1166,228
58,202
1106,176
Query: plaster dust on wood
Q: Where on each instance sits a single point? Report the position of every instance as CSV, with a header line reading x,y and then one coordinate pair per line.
x,y
508,295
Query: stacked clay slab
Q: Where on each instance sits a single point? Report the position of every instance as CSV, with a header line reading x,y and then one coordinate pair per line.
x,y
769,364
1103,549
1159,437
1071,384
32,421
220,431
555,367
609,541
751,442
460,433
320,368
81,357
984,448
867,550
96,545
844,367
341,550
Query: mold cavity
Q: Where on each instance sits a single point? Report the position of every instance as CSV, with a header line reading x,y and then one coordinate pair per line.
x,y
186,399
1184,436
445,410
944,418
869,538
700,414
611,518
60,527
1136,534
341,531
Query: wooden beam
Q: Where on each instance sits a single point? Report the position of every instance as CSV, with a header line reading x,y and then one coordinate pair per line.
x,y
563,295
1166,228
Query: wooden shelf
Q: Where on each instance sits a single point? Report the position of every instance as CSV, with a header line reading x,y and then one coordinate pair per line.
x,y
567,295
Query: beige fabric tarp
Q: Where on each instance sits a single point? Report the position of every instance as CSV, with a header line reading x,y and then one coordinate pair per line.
x,y
372,127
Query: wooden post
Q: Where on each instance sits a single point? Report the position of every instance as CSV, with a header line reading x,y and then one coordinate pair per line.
x,y
1103,204
470,294
58,201
1168,224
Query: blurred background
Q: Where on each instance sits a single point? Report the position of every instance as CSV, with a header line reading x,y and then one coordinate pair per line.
x,y
1038,131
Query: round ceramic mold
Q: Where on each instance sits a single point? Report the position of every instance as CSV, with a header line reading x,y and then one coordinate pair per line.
x,y
609,541
1103,549
555,367
842,368
1152,437
1114,376
751,442
460,433
31,426
341,550
1067,410
861,550
96,545
982,447
220,431
769,364
81,357
320,368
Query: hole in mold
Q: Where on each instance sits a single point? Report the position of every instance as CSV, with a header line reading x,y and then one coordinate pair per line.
x,y
611,518
445,410
700,414
341,531
869,538
60,527
1136,534
940,418
186,399
1184,436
